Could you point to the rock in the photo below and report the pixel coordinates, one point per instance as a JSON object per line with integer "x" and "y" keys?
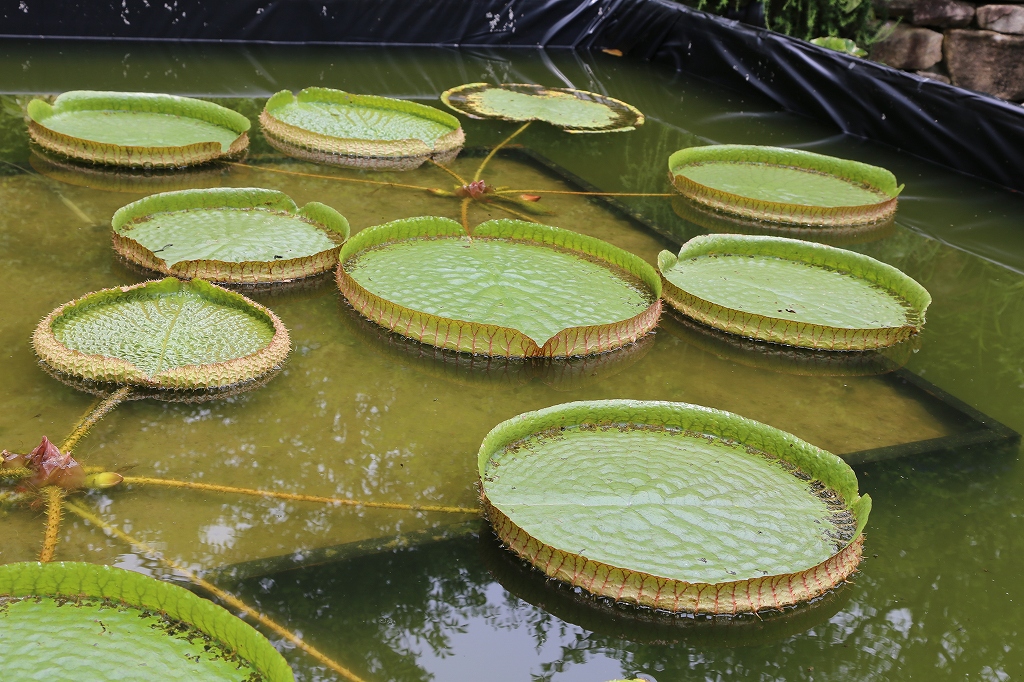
{"x": 942, "y": 13}
{"x": 986, "y": 61}
{"x": 908, "y": 48}
{"x": 1002, "y": 18}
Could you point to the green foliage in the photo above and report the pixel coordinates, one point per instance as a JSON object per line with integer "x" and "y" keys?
{"x": 809, "y": 19}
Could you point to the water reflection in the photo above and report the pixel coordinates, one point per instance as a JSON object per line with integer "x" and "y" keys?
{"x": 134, "y": 181}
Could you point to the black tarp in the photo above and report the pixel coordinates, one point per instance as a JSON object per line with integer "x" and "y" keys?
{"x": 968, "y": 132}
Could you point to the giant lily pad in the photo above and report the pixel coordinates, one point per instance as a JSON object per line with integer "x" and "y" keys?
{"x": 240, "y": 236}
{"x": 365, "y": 131}
{"x": 164, "y": 334}
{"x": 672, "y": 506}
{"x": 785, "y": 185}
{"x": 65, "y": 621}
{"x": 137, "y": 129}
{"x": 793, "y": 292}
{"x": 575, "y": 111}
{"x": 514, "y": 289}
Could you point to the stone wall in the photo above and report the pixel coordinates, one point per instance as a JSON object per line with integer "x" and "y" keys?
{"x": 979, "y": 47}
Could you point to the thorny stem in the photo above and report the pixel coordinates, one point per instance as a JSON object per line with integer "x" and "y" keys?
{"x": 585, "y": 194}
{"x": 521, "y": 216}
{"x": 95, "y": 413}
{"x": 337, "y": 501}
{"x": 449, "y": 171}
{"x": 487, "y": 159}
{"x": 54, "y": 510}
{"x": 330, "y": 177}
{"x": 227, "y": 598}
{"x": 464, "y": 212}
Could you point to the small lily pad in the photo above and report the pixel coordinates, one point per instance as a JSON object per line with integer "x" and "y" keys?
{"x": 733, "y": 515}
{"x": 65, "y": 621}
{"x": 514, "y": 289}
{"x": 364, "y": 131}
{"x": 793, "y": 292}
{"x": 238, "y": 236}
{"x": 785, "y": 185}
{"x": 575, "y": 111}
{"x": 137, "y": 129}
{"x": 165, "y": 334}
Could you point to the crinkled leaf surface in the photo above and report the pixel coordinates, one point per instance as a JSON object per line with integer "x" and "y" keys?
{"x": 161, "y": 327}
{"x": 229, "y": 235}
{"x": 360, "y": 122}
{"x": 685, "y": 507}
{"x": 139, "y": 128}
{"x": 781, "y": 184}
{"x": 789, "y": 289}
{"x": 536, "y": 289}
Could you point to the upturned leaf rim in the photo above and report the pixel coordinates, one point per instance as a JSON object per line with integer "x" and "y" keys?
{"x": 137, "y": 156}
{"x": 628, "y": 116}
{"x": 405, "y": 154}
{"x": 492, "y": 339}
{"x": 785, "y": 331}
{"x": 74, "y": 579}
{"x": 659, "y": 592}
{"x": 106, "y": 369}
{"x": 319, "y": 215}
{"x": 855, "y": 172}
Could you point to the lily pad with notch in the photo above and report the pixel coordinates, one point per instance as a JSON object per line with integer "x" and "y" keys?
{"x": 793, "y": 292}
{"x": 575, "y": 111}
{"x": 733, "y": 516}
{"x": 232, "y": 235}
{"x": 362, "y": 131}
{"x": 83, "y": 621}
{"x": 164, "y": 334}
{"x": 137, "y": 129}
{"x": 785, "y": 185}
{"x": 513, "y": 289}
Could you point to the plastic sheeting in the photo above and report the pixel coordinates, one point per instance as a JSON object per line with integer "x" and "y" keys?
{"x": 965, "y": 131}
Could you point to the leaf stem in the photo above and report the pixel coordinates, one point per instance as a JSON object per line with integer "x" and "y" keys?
{"x": 585, "y": 194}
{"x": 521, "y": 216}
{"x": 464, "y": 212}
{"x": 298, "y": 497}
{"x": 227, "y": 598}
{"x": 96, "y": 412}
{"x": 487, "y": 159}
{"x": 54, "y": 511}
{"x": 449, "y": 171}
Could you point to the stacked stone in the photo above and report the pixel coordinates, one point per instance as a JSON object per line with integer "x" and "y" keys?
{"x": 980, "y": 47}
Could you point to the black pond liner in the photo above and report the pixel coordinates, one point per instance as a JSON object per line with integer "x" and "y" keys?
{"x": 963, "y": 130}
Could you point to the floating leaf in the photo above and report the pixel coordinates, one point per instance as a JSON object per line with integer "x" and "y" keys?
{"x": 65, "y": 621}
{"x": 733, "y": 516}
{"x": 785, "y": 185}
{"x": 137, "y": 129}
{"x": 575, "y": 111}
{"x": 793, "y": 292}
{"x": 513, "y": 289}
{"x": 239, "y": 236}
{"x": 365, "y": 131}
{"x": 164, "y": 334}
{"x": 844, "y": 45}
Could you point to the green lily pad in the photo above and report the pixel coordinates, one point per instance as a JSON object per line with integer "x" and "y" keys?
{"x": 514, "y": 289}
{"x": 785, "y": 185}
{"x": 732, "y": 515}
{"x": 65, "y": 621}
{"x": 364, "y": 131}
{"x": 238, "y": 236}
{"x": 137, "y": 129}
{"x": 793, "y": 292}
{"x": 165, "y": 334}
{"x": 575, "y": 111}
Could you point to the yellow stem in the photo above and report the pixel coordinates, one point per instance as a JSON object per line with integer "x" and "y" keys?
{"x": 487, "y": 159}
{"x": 450, "y": 172}
{"x": 464, "y": 212}
{"x": 585, "y": 194}
{"x": 329, "y": 177}
{"x": 229, "y": 599}
{"x": 521, "y": 216}
{"x": 95, "y": 413}
{"x": 54, "y": 509}
{"x": 338, "y": 501}
{"x": 15, "y": 474}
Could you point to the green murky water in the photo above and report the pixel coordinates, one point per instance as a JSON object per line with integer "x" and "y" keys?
{"x": 358, "y": 414}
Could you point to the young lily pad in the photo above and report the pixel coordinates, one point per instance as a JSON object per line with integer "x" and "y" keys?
{"x": 364, "y": 131}
{"x": 65, "y": 621}
{"x": 164, "y": 334}
{"x": 793, "y": 292}
{"x": 137, "y": 129}
{"x": 575, "y": 111}
{"x": 785, "y": 185}
{"x": 514, "y": 289}
{"x": 232, "y": 235}
{"x": 733, "y": 516}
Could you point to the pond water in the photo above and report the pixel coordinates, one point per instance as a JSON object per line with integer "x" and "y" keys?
{"x": 355, "y": 413}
